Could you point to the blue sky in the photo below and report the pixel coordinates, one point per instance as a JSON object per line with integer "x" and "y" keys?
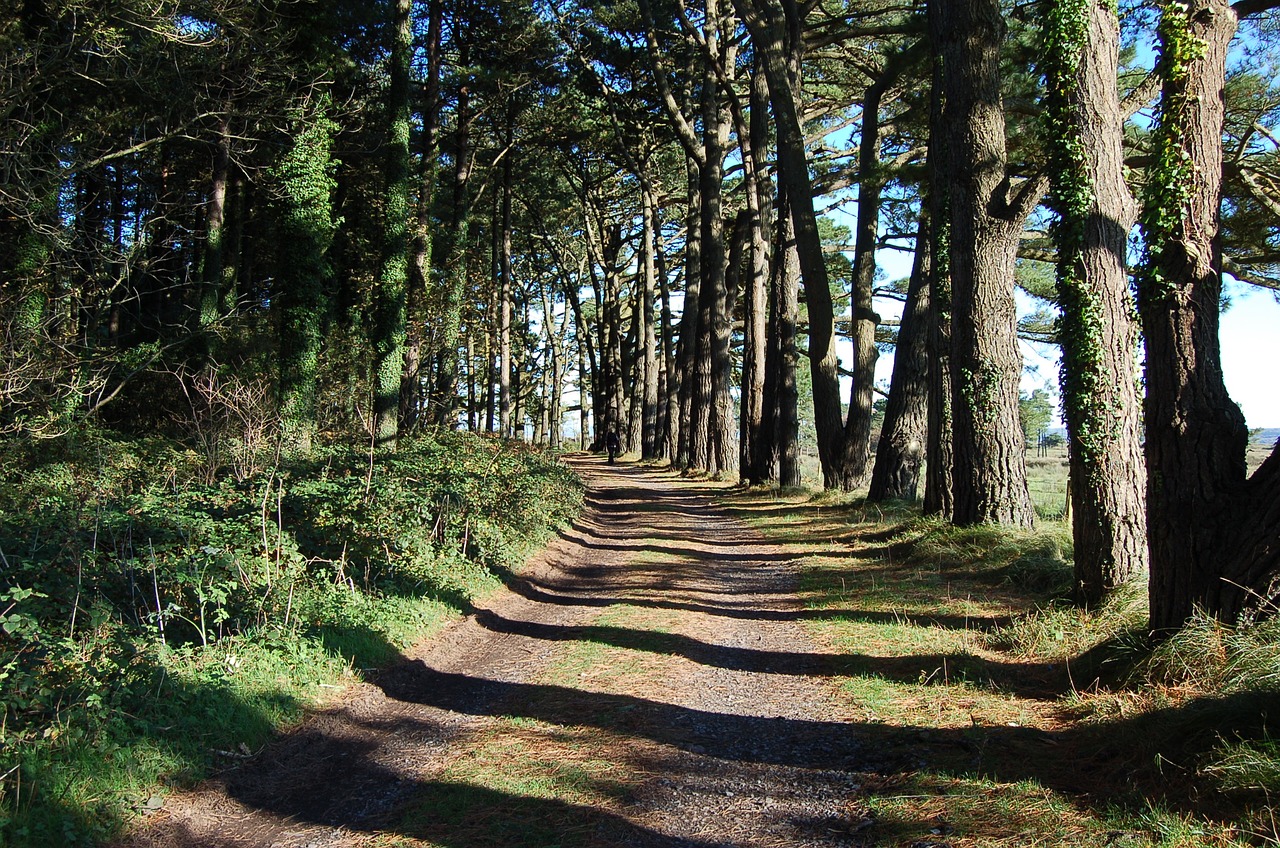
{"x": 1250, "y": 337}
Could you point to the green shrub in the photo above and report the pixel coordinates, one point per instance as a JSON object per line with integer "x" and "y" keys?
{"x": 148, "y": 617}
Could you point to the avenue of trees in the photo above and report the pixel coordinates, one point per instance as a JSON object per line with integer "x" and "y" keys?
{"x": 265, "y": 225}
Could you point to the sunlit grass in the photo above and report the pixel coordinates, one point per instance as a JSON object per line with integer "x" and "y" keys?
{"x": 971, "y": 631}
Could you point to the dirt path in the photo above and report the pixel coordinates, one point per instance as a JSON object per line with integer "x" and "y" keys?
{"x": 645, "y": 682}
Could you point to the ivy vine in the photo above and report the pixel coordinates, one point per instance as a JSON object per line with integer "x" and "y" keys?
{"x": 1168, "y": 187}
{"x": 1072, "y": 198}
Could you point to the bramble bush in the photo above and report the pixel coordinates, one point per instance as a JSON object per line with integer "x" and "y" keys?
{"x": 148, "y": 616}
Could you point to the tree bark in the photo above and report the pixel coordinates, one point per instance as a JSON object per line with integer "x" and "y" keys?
{"x": 753, "y": 140}
{"x": 454, "y": 274}
{"x": 688, "y": 344}
{"x": 413, "y": 391}
{"x": 1213, "y": 532}
{"x": 871, "y": 183}
{"x": 784, "y": 285}
{"x": 505, "y": 422}
{"x": 987, "y": 218}
{"x": 649, "y": 364}
{"x": 775, "y": 27}
{"x": 1097, "y": 330}
{"x": 900, "y": 450}
{"x": 939, "y": 456}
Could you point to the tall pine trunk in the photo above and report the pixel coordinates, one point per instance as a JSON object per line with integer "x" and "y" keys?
{"x": 1097, "y": 330}
{"x": 938, "y": 441}
{"x": 900, "y": 450}
{"x": 1213, "y": 531}
{"x": 987, "y": 219}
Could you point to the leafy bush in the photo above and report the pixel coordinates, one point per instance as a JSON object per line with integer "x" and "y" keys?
{"x": 136, "y": 597}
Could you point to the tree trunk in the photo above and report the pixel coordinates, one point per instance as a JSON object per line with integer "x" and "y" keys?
{"x": 987, "y": 218}
{"x": 649, "y": 364}
{"x": 669, "y": 377}
{"x": 1213, "y": 532}
{"x": 306, "y": 230}
{"x": 753, "y": 432}
{"x": 505, "y": 423}
{"x": 412, "y": 392}
{"x": 775, "y": 32}
{"x": 390, "y": 294}
{"x": 211, "y": 294}
{"x": 1097, "y": 331}
{"x": 781, "y": 392}
{"x": 865, "y": 320}
{"x": 454, "y": 273}
{"x": 939, "y": 457}
{"x": 688, "y": 344}
{"x": 900, "y": 451}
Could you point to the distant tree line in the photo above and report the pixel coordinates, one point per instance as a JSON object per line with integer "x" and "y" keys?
{"x": 291, "y": 221}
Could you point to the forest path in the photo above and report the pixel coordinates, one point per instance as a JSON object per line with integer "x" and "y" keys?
{"x": 646, "y": 681}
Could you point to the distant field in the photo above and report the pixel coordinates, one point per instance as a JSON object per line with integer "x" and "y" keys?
{"x": 1260, "y": 446}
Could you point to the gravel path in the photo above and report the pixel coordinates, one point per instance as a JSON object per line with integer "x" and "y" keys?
{"x": 722, "y": 716}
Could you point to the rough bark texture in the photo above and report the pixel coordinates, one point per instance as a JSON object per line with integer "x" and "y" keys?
{"x": 454, "y": 274}
{"x": 900, "y": 451}
{"x": 687, "y": 349}
{"x": 506, "y": 421}
{"x": 753, "y": 140}
{"x": 1214, "y": 534}
{"x": 865, "y": 320}
{"x": 938, "y": 452}
{"x": 649, "y": 364}
{"x": 1098, "y": 328}
{"x": 987, "y": 217}
{"x": 715, "y": 299}
{"x": 775, "y": 33}
{"x": 413, "y": 389}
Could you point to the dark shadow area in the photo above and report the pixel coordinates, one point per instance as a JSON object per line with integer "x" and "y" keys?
{"x": 1115, "y": 762}
{"x": 544, "y": 591}
{"x": 466, "y": 816}
{"x": 1034, "y": 680}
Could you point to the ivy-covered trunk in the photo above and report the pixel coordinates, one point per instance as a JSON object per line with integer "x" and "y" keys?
{"x": 1213, "y": 531}
{"x": 1098, "y": 330}
{"x": 306, "y": 228}
{"x": 389, "y": 299}
{"x": 413, "y": 389}
{"x": 457, "y": 235}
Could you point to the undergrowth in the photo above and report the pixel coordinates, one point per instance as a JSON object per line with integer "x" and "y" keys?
{"x": 154, "y": 625}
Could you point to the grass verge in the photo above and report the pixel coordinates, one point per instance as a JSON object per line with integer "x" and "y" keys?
{"x": 1010, "y": 716}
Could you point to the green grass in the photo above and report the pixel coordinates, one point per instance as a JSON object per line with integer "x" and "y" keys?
{"x": 1014, "y": 717}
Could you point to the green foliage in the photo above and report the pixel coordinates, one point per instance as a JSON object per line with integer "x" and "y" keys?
{"x": 1035, "y": 411}
{"x": 148, "y": 618}
{"x": 307, "y": 229}
{"x": 1168, "y": 179}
